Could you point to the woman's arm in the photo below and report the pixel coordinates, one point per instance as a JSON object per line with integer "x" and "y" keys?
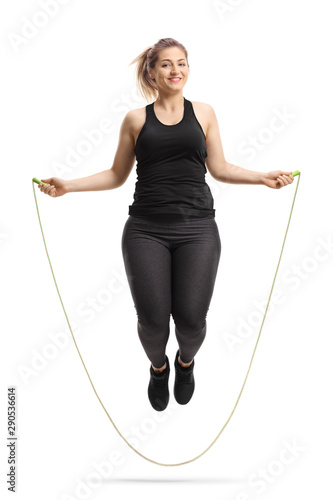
{"x": 233, "y": 174}
{"x": 112, "y": 178}
{"x": 223, "y": 171}
{"x": 96, "y": 182}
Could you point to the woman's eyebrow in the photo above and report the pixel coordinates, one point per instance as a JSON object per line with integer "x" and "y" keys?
{"x": 170, "y": 59}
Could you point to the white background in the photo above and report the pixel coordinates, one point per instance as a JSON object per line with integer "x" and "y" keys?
{"x": 249, "y": 60}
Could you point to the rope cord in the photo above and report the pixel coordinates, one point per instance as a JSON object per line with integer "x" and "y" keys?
{"x": 136, "y": 451}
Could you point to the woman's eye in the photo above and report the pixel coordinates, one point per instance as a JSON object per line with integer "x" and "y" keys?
{"x": 182, "y": 64}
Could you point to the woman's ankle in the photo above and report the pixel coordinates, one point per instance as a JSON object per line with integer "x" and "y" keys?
{"x": 185, "y": 365}
{"x": 159, "y": 369}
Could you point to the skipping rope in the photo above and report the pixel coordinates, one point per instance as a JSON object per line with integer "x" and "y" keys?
{"x": 296, "y": 173}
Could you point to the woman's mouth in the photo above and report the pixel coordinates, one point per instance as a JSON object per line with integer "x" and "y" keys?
{"x": 174, "y": 79}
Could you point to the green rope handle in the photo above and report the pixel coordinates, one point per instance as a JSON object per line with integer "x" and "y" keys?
{"x": 136, "y": 451}
{"x": 38, "y": 181}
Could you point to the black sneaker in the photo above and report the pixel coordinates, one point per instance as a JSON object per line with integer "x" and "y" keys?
{"x": 158, "y": 390}
{"x": 184, "y": 382}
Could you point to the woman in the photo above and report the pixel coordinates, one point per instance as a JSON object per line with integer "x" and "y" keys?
{"x": 170, "y": 243}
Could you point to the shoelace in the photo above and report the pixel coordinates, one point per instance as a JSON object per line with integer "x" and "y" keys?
{"x": 184, "y": 376}
{"x": 161, "y": 378}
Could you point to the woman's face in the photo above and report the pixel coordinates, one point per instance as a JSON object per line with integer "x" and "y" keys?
{"x": 171, "y": 64}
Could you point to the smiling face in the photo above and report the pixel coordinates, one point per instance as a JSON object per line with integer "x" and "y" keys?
{"x": 171, "y": 70}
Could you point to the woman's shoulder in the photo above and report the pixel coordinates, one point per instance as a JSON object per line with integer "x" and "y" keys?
{"x": 204, "y": 113}
{"x": 202, "y": 106}
{"x": 135, "y": 119}
{"x": 136, "y": 114}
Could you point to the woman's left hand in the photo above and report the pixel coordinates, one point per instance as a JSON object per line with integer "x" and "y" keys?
{"x": 277, "y": 179}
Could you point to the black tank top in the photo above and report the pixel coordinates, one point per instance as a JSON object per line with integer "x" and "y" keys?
{"x": 171, "y": 168}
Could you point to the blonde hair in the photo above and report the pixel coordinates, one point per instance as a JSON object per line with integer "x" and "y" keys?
{"x": 147, "y": 60}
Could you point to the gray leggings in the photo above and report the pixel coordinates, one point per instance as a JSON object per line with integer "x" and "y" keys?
{"x": 171, "y": 265}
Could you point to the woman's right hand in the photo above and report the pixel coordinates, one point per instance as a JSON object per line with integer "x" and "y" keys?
{"x": 54, "y": 187}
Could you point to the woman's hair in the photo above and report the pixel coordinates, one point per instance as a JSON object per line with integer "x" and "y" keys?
{"x": 147, "y": 60}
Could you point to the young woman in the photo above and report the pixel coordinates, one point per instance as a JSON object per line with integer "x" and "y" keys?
{"x": 170, "y": 243}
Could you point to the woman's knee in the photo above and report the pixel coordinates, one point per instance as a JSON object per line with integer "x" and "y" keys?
{"x": 153, "y": 321}
{"x": 189, "y": 324}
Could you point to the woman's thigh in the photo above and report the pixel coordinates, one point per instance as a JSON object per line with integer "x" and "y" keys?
{"x": 147, "y": 261}
{"x": 195, "y": 262}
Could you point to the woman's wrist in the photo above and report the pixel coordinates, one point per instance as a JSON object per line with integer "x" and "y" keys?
{"x": 260, "y": 177}
{"x": 69, "y": 188}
